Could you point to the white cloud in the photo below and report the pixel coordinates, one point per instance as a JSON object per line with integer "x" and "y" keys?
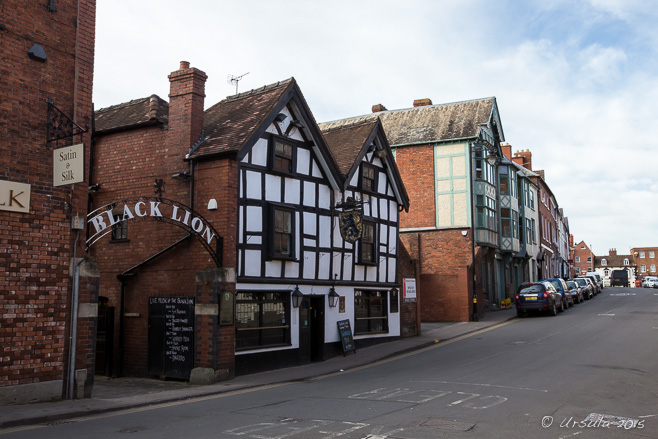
{"x": 575, "y": 81}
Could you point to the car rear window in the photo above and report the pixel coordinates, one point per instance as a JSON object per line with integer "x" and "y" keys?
{"x": 532, "y": 289}
{"x": 581, "y": 282}
{"x": 557, "y": 284}
{"x": 571, "y": 284}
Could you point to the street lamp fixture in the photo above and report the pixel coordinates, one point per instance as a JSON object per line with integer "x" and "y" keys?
{"x": 333, "y": 297}
{"x": 297, "y": 297}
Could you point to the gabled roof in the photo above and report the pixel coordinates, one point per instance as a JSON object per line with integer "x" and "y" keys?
{"x": 433, "y": 123}
{"x": 614, "y": 261}
{"x": 231, "y": 123}
{"x": 137, "y": 113}
{"x": 349, "y": 144}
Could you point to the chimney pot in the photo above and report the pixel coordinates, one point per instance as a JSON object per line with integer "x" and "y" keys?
{"x": 184, "y": 65}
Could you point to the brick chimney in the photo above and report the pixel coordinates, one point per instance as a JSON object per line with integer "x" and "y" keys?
{"x": 422, "y": 102}
{"x": 523, "y": 158}
{"x": 378, "y": 107}
{"x": 613, "y": 252}
{"x": 186, "y": 96}
{"x": 507, "y": 150}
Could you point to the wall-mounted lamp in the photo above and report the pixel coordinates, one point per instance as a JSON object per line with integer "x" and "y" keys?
{"x": 94, "y": 187}
{"x": 297, "y": 297}
{"x": 298, "y": 124}
{"x": 333, "y": 297}
{"x": 180, "y": 175}
{"x": 280, "y": 117}
{"x": 492, "y": 158}
{"x": 212, "y": 204}
{"x": 464, "y": 232}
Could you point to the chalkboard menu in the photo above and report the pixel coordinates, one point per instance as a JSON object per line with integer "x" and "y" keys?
{"x": 171, "y": 336}
{"x": 345, "y": 334}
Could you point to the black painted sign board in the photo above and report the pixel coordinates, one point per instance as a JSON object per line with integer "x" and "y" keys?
{"x": 345, "y": 334}
{"x": 171, "y": 336}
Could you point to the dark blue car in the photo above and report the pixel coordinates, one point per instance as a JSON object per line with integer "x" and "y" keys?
{"x": 561, "y": 287}
{"x": 537, "y": 296}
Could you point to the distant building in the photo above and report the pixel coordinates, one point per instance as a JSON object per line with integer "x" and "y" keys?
{"x": 605, "y": 265}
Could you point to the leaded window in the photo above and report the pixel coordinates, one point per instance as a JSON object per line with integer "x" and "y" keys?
{"x": 370, "y": 311}
{"x": 368, "y": 246}
{"x": 262, "y": 319}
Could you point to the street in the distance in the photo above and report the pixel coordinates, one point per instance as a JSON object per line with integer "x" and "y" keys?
{"x": 588, "y": 372}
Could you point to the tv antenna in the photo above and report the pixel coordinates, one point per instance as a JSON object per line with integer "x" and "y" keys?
{"x": 233, "y": 80}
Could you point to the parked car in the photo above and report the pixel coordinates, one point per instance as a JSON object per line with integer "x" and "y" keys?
{"x": 599, "y": 279}
{"x": 595, "y": 286}
{"x": 537, "y": 296}
{"x": 585, "y": 287}
{"x": 649, "y": 282}
{"x": 561, "y": 287}
{"x": 575, "y": 291}
{"x": 619, "y": 278}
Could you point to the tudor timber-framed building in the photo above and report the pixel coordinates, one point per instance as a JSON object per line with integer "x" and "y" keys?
{"x": 256, "y": 170}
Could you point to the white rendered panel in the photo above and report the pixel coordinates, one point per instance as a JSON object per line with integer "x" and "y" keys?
{"x": 259, "y": 153}
{"x": 325, "y": 231}
{"x": 315, "y": 170}
{"x": 310, "y": 227}
{"x": 393, "y": 211}
{"x": 273, "y": 188}
{"x": 252, "y": 262}
{"x": 348, "y": 260}
{"x": 383, "y": 183}
{"x": 324, "y": 201}
{"x": 253, "y": 182}
{"x": 273, "y": 269}
{"x": 309, "y": 193}
{"x": 303, "y": 160}
{"x": 254, "y": 219}
{"x": 383, "y": 209}
{"x": 309, "y": 265}
{"x": 323, "y": 267}
{"x": 292, "y": 191}
{"x": 292, "y": 269}
{"x": 359, "y": 273}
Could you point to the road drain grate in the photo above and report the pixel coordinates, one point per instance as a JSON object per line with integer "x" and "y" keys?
{"x": 445, "y": 424}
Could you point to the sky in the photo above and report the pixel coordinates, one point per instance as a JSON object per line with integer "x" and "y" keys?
{"x": 575, "y": 80}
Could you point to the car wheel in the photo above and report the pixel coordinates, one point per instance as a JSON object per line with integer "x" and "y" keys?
{"x": 554, "y": 310}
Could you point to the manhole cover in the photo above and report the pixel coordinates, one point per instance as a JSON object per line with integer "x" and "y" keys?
{"x": 445, "y": 424}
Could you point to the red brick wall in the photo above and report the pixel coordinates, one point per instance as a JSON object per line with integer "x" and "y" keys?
{"x": 416, "y": 165}
{"x": 36, "y": 247}
{"x": 444, "y": 285}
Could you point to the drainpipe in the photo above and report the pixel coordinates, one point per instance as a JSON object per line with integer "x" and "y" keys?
{"x": 73, "y": 333}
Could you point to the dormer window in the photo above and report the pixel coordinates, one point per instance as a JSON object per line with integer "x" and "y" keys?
{"x": 283, "y": 156}
{"x": 368, "y": 178}
{"x": 626, "y": 261}
{"x": 604, "y": 262}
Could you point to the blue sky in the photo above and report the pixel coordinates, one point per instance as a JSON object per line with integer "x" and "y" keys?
{"x": 575, "y": 80}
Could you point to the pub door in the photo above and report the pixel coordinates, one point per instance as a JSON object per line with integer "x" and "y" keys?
{"x": 104, "y": 337}
{"x": 311, "y": 329}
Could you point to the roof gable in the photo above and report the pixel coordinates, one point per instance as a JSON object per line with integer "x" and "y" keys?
{"x": 351, "y": 143}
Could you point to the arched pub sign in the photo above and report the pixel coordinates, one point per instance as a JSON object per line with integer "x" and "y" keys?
{"x": 101, "y": 221}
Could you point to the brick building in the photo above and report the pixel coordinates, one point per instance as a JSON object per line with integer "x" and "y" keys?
{"x": 646, "y": 259}
{"x": 45, "y": 111}
{"x": 267, "y": 233}
{"x": 604, "y": 265}
{"x": 444, "y": 153}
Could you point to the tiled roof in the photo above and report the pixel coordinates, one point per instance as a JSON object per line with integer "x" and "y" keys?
{"x": 229, "y": 124}
{"x": 433, "y": 122}
{"x": 614, "y": 261}
{"x": 139, "y": 112}
{"x": 346, "y": 142}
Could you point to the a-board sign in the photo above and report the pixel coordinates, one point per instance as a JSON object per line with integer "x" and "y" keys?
{"x": 171, "y": 336}
{"x": 345, "y": 334}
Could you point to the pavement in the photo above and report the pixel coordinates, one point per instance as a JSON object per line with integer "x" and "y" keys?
{"x": 129, "y": 393}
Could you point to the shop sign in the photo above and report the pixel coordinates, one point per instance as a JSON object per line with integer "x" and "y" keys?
{"x": 409, "y": 288}
{"x": 14, "y": 197}
{"x": 68, "y": 165}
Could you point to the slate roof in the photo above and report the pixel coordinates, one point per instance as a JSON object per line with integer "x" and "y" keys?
{"x": 137, "y": 113}
{"x": 614, "y": 261}
{"x": 431, "y": 123}
{"x": 229, "y": 124}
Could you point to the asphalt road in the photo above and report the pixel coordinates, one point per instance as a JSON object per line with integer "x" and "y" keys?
{"x": 590, "y": 372}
